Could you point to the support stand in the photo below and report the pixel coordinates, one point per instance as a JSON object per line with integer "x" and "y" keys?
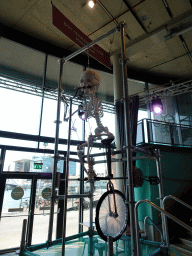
{"x": 110, "y": 246}
{"x": 23, "y": 236}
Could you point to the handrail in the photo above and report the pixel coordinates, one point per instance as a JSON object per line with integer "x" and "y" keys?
{"x": 161, "y": 210}
{"x": 178, "y": 200}
{"x": 145, "y": 222}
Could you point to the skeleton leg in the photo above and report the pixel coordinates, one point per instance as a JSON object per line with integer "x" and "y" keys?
{"x": 90, "y": 172}
{"x": 80, "y": 155}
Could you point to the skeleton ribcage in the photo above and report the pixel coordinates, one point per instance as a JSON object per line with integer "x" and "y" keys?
{"x": 93, "y": 109}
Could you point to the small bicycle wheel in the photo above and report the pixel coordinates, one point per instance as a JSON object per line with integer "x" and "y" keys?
{"x": 109, "y": 223}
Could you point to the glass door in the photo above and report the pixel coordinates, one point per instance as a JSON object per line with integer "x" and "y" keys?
{"x": 16, "y": 203}
{"x": 42, "y": 212}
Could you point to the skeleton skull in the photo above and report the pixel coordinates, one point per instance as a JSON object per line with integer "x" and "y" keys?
{"x": 90, "y": 81}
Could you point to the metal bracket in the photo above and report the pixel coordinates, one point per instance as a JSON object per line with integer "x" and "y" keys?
{"x": 121, "y": 61}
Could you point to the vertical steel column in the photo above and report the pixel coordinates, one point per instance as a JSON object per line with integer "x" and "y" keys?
{"x": 130, "y": 186}
{"x": 148, "y": 104}
{"x": 54, "y": 175}
{"x": 81, "y": 189}
{"x": 66, "y": 181}
{"x": 31, "y": 211}
{"x": 110, "y": 246}
{"x": 2, "y": 159}
{"x": 23, "y": 235}
{"x": 2, "y": 179}
{"x": 81, "y": 185}
{"x": 42, "y": 102}
{"x": 161, "y": 196}
{"x": 91, "y": 228}
{"x": 143, "y": 131}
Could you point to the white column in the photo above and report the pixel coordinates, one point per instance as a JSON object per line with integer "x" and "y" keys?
{"x": 118, "y": 94}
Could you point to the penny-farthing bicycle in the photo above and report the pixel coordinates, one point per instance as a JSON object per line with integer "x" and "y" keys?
{"x": 111, "y": 211}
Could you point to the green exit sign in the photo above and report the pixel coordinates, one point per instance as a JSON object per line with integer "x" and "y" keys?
{"x": 38, "y": 166}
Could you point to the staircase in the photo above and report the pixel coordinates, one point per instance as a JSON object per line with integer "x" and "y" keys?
{"x": 182, "y": 245}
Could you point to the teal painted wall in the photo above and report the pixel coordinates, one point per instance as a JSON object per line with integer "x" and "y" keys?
{"x": 176, "y": 174}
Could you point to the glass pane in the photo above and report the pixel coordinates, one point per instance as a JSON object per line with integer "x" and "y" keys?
{"x": 15, "y": 209}
{"x": 15, "y": 142}
{"x": 22, "y": 115}
{"x": 139, "y": 133}
{"x": 49, "y": 125}
{"x": 71, "y": 74}
{"x": 42, "y": 211}
{"x": 30, "y": 162}
{"x": 72, "y": 226}
{"x": 142, "y": 114}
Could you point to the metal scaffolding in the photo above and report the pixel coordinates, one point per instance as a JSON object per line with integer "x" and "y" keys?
{"x": 130, "y": 188}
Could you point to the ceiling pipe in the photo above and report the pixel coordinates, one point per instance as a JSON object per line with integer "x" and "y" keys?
{"x": 108, "y": 13}
{"x": 111, "y": 16}
{"x": 179, "y": 30}
{"x": 115, "y": 18}
{"x": 179, "y": 34}
{"x": 167, "y": 8}
{"x": 130, "y": 9}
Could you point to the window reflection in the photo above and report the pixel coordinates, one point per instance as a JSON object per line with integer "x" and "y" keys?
{"x": 30, "y": 162}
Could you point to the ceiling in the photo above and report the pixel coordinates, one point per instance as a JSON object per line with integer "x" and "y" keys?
{"x": 158, "y": 33}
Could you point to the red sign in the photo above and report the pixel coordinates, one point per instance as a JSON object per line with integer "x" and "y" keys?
{"x": 78, "y": 37}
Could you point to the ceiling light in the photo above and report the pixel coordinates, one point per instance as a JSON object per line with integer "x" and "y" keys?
{"x": 156, "y": 106}
{"x": 91, "y": 3}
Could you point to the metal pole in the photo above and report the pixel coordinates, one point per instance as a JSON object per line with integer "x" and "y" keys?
{"x": 22, "y": 246}
{"x": 42, "y": 101}
{"x": 54, "y": 175}
{"x": 91, "y": 228}
{"x": 86, "y": 47}
{"x": 161, "y": 196}
{"x": 66, "y": 181}
{"x": 110, "y": 246}
{"x": 81, "y": 185}
{"x": 130, "y": 186}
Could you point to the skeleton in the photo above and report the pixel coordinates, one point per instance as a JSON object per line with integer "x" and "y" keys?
{"x": 89, "y": 83}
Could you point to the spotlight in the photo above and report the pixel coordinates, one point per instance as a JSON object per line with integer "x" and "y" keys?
{"x": 156, "y": 106}
{"x": 91, "y": 3}
{"x": 81, "y": 112}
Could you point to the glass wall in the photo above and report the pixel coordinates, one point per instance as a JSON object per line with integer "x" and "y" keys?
{"x": 15, "y": 209}
{"x": 28, "y": 102}
{"x": 30, "y": 162}
{"x": 42, "y": 211}
{"x": 20, "y": 113}
{"x": 184, "y": 102}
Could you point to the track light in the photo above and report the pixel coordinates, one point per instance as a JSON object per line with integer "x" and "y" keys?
{"x": 156, "y": 106}
{"x": 91, "y": 3}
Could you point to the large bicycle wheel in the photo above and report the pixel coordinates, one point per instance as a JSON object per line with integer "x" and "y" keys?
{"x": 108, "y": 221}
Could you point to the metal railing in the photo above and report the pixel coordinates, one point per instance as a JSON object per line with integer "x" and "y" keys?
{"x": 164, "y": 133}
{"x": 167, "y": 214}
{"x": 155, "y": 226}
